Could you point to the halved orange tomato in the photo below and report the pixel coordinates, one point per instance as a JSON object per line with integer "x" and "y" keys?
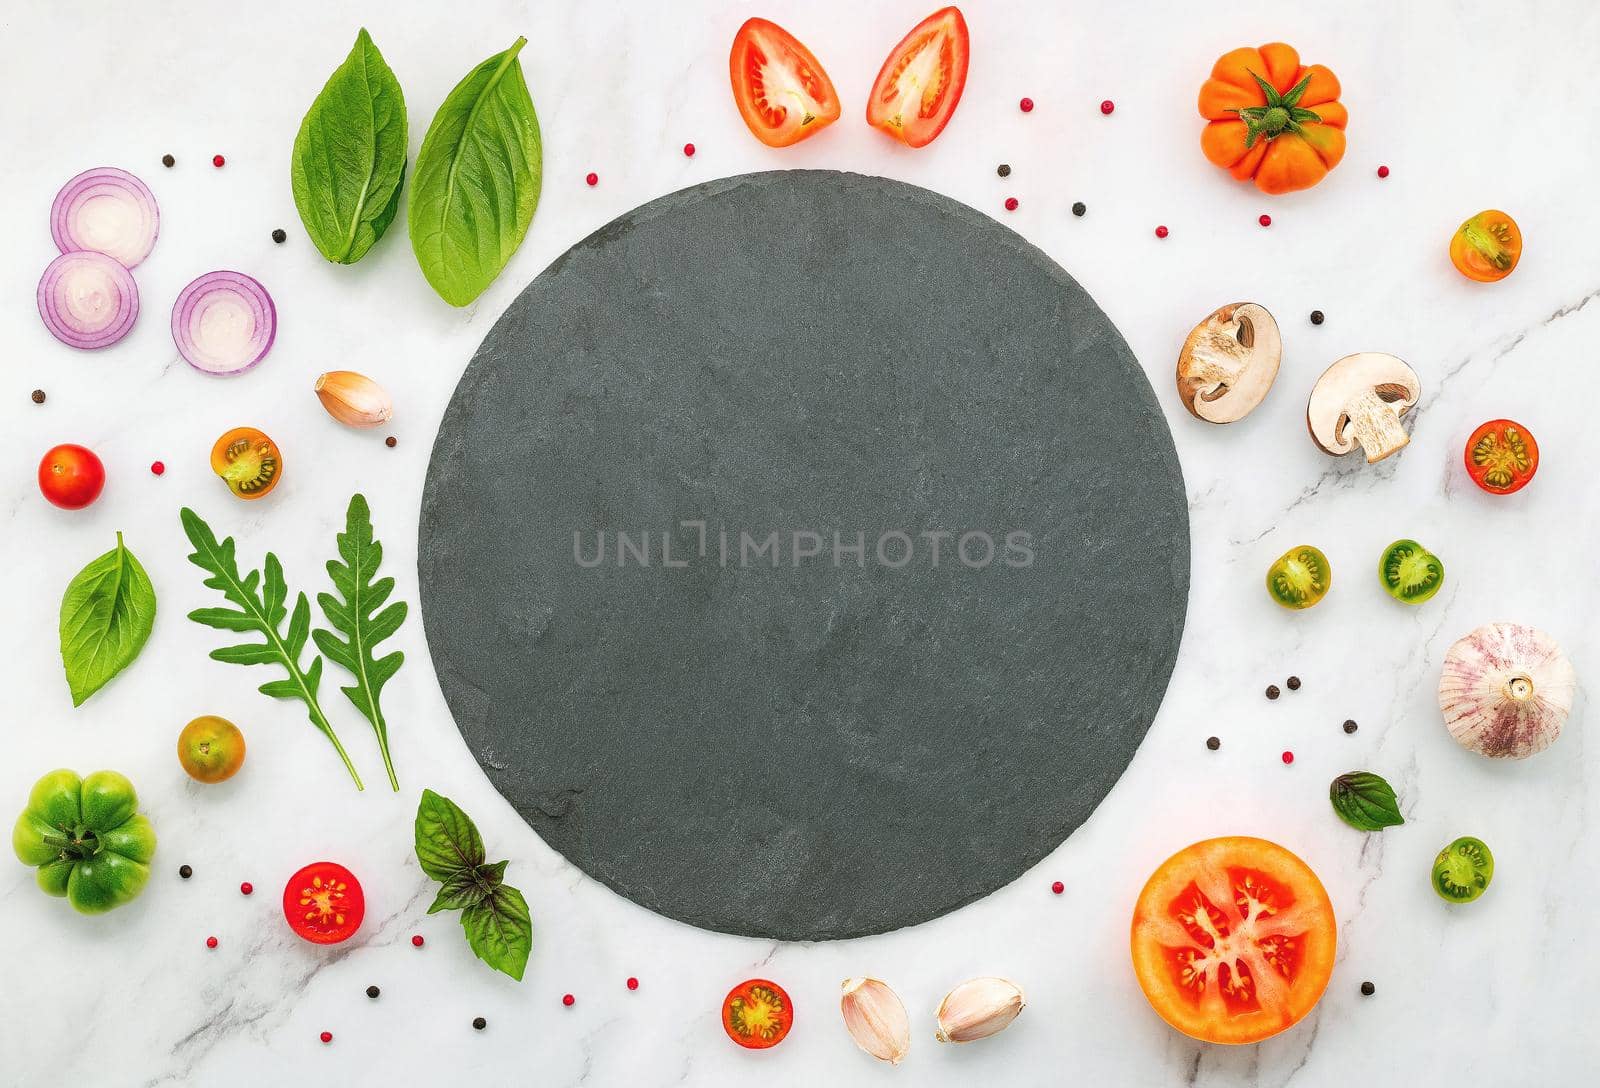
{"x": 1502, "y": 456}
{"x": 1233, "y": 940}
{"x": 1486, "y": 247}
{"x": 782, "y": 91}
{"x": 248, "y": 462}
{"x": 757, "y": 1014}
{"x": 920, "y": 84}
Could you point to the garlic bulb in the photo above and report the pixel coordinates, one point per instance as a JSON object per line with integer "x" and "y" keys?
{"x": 1506, "y": 690}
{"x": 978, "y": 1009}
{"x": 354, "y": 399}
{"x": 876, "y": 1018}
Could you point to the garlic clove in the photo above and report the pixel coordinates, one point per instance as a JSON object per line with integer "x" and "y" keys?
{"x": 876, "y": 1018}
{"x": 1506, "y": 690}
{"x": 978, "y": 1009}
{"x": 354, "y": 399}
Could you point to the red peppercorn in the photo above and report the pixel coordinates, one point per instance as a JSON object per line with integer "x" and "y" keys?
{"x": 1011, "y": 203}
{"x": 217, "y": 160}
{"x": 1265, "y": 220}
{"x": 567, "y": 1000}
{"x": 416, "y": 941}
{"x": 592, "y": 180}
{"x": 246, "y": 888}
{"x": 1026, "y": 105}
{"x": 158, "y": 467}
{"x": 1161, "y": 232}
{"x": 1383, "y": 171}
{"x": 688, "y": 150}
{"x": 633, "y": 984}
{"x": 326, "y": 1036}
{"x": 1107, "y": 106}
{"x": 1058, "y": 887}
{"x": 1288, "y": 757}
{"x": 211, "y": 942}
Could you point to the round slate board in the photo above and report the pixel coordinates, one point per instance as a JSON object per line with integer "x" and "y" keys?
{"x": 783, "y": 737}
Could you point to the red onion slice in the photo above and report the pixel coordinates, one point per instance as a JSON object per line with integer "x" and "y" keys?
{"x": 88, "y": 300}
{"x": 224, "y": 323}
{"x": 109, "y": 211}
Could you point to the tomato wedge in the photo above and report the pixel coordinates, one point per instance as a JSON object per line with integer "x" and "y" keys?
{"x": 323, "y": 903}
{"x": 757, "y": 1014}
{"x": 1233, "y": 940}
{"x": 920, "y": 84}
{"x": 782, "y": 91}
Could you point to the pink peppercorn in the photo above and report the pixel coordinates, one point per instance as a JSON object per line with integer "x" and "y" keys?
{"x": 246, "y": 888}
{"x": 211, "y": 942}
{"x": 567, "y": 1000}
{"x": 1161, "y": 232}
{"x": 1011, "y": 203}
{"x": 157, "y": 467}
{"x": 1288, "y": 757}
{"x": 217, "y": 160}
{"x": 1026, "y": 105}
{"x": 592, "y": 180}
{"x": 688, "y": 150}
{"x": 1058, "y": 887}
{"x": 633, "y": 984}
{"x": 1265, "y": 220}
{"x": 1107, "y": 106}
{"x": 416, "y": 941}
{"x": 1383, "y": 171}
{"x": 326, "y": 1036}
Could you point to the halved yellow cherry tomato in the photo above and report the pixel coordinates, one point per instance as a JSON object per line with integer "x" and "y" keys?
{"x": 248, "y": 462}
{"x": 1486, "y": 247}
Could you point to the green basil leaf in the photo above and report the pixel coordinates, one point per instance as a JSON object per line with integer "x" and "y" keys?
{"x": 107, "y": 614}
{"x": 477, "y": 179}
{"x": 350, "y": 155}
{"x": 463, "y": 889}
{"x": 500, "y": 930}
{"x": 448, "y": 842}
{"x": 1365, "y": 801}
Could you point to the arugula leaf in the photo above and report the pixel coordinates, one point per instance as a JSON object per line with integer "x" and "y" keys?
{"x": 1365, "y": 801}
{"x": 357, "y": 617}
{"x": 260, "y": 598}
{"x": 349, "y": 156}
{"x": 107, "y": 614}
{"x": 477, "y": 179}
{"x": 493, "y": 914}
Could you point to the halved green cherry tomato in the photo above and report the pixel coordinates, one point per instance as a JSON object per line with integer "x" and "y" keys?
{"x": 87, "y": 839}
{"x": 757, "y": 1014}
{"x": 323, "y": 903}
{"x": 1300, "y": 578}
{"x": 1410, "y": 572}
{"x": 1501, "y": 456}
{"x": 1462, "y": 870}
{"x": 1486, "y": 247}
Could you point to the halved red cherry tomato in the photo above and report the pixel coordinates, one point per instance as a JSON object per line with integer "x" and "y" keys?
{"x": 920, "y": 83}
{"x": 71, "y": 477}
{"x": 782, "y": 90}
{"x": 1486, "y": 247}
{"x": 1233, "y": 940}
{"x": 757, "y": 1014}
{"x": 323, "y": 903}
{"x": 1501, "y": 456}
{"x": 248, "y": 461}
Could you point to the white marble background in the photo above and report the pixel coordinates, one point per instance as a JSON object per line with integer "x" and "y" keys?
{"x": 1471, "y": 104}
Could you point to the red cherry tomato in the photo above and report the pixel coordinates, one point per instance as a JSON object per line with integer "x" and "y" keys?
{"x": 920, "y": 83}
{"x": 71, "y": 477}
{"x": 757, "y": 1014}
{"x": 323, "y": 903}
{"x": 1501, "y": 456}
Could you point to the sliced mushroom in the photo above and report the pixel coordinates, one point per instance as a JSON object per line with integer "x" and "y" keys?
{"x": 1229, "y": 362}
{"x": 1358, "y": 401}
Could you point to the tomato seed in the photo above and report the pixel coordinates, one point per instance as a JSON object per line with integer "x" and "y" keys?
{"x": 1293, "y": 682}
{"x": 1107, "y": 106}
{"x": 1350, "y": 725}
{"x": 373, "y": 991}
{"x": 1272, "y": 691}
{"x": 688, "y": 151}
{"x": 1011, "y": 203}
{"x": 1079, "y": 208}
{"x": 1265, "y": 220}
{"x": 211, "y": 942}
{"x": 326, "y": 1036}
{"x": 157, "y": 467}
{"x": 1368, "y": 989}
{"x": 479, "y": 1023}
{"x": 1213, "y": 743}
{"x": 1161, "y": 232}
{"x": 217, "y": 160}
{"x": 1383, "y": 171}
{"x": 1288, "y": 757}
{"x": 633, "y": 984}
{"x": 168, "y": 161}
{"x": 1317, "y": 317}
{"x": 1026, "y": 105}
{"x": 416, "y": 941}
{"x": 567, "y": 1000}
{"x": 1058, "y": 887}
{"x": 280, "y": 236}
{"x": 246, "y": 888}
{"x": 38, "y": 396}
{"x": 185, "y": 872}
{"x": 592, "y": 180}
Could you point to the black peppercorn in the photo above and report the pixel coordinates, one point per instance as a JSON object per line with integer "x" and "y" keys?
{"x": 1349, "y": 725}
{"x": 1293, "y": 682}
{"x": 1079, "y": 208}
{"x": 1368, "y": 989}
{"x": 185, "y": 872}
{"x": 168, "y": 160}
{"x": 280, "y": 236}
{"x": 38, "y": 396}
{"x": 1213, "y": 743}
{"x": 1316, "y": 317}
{"x": 1004, "y": 170}
{"x": 480, "y": 1023}
{"x": 372, "y": 991}
{"x": 1272, "y": 691}
{"x": 390, "y": 441}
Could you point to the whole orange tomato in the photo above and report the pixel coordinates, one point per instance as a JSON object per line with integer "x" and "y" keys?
{"x": 1272, "y": 119}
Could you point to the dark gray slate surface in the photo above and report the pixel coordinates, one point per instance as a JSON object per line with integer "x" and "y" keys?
{"x": 813, "y": 751}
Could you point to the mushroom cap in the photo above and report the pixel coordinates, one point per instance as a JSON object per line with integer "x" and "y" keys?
{"x": 1506, "y": 690}
{"x": 1229, "y": 362}
{"x": 1348, "y": 381}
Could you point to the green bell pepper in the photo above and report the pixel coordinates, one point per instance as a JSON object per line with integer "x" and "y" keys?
{"x": 86, "y": 838}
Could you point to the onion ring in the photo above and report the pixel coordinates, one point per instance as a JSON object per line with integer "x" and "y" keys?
{"x": 224, "y": 323}
{"x": 109, "y": 211}
{"x": 87, "y": 300}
